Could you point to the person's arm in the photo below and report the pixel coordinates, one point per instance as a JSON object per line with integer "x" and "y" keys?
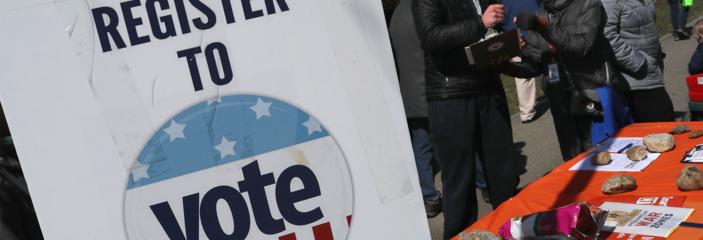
{"x": 695, "y": 66}
{"x": 437, "y": 35}
{"x": 531, "y": 64}
{"x": 573, "y": 44}
{"x": 626, "y": 56}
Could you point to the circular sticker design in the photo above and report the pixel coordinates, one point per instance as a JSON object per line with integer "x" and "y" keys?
{"x": 495, "y": 46}
{"x": 240, "y": 167}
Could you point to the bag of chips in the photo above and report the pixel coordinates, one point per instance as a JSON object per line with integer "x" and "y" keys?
{"x": 576, "y": 221}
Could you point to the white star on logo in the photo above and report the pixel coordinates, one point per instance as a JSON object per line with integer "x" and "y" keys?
{"x": 261, "y": 108}
{"x": 226, "y": 148}
{"x": 210, "y": 101}
{"x": 175, "y": 130}
{"x": 139, "y": 171}
{"x": 312, "y": 125}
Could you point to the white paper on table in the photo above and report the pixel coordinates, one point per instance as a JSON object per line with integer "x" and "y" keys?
{"x": 695, "y": 154}
{"x": 650, "y": 220}
{"x": 618, "y": 145}
{"x": 618, "y": 163}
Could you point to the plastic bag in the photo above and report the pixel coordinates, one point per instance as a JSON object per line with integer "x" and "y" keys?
{"x": 576, "y": 221}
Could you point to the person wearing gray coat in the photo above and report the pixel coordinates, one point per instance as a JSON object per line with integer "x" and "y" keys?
{"x": 411, "y": 74}
{"x": 638, "y": 59}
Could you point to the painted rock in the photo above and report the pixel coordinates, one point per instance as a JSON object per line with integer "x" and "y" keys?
{"x": 680, "y": 129}
{"x": 690, "y": 178}
{"x": 660, "y": 142}
{"x": 602, "y": 158}
{"x": 636, "y": 153}
{"x": 478, "y": 234}
{"x": 619, "y": 184}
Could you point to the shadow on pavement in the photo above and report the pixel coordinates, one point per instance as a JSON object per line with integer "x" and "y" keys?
{"x": 520, "y": 158}
{"x": 541, "y": 108}
{"x": 688, "y": 31}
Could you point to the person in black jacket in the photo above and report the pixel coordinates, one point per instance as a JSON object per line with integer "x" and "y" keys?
{"x": 573, "y": 131}
{"x": 576, "y": 30}
{"x": 578, "y": 62}
{"x": 467, "y": 108}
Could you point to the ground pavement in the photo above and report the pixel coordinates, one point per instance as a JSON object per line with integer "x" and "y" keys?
{"x": 537, "y": 150}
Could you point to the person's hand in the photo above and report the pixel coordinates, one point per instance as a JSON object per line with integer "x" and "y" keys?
{"x": 501, "y": 59}
{"x": 526, "y": 21}
{"x": 529, "y": 22}
{"x": 493, "y": 15}
{"x": 523, "y": 42}
{"x": 502, "y": 64}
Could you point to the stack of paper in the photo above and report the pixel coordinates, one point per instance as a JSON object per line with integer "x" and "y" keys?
{"x": 618, "y": 163}
{"x": 618, "y": 145}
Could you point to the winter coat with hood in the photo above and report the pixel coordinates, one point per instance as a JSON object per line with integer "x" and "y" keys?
{"x": 445, "y": 27}
{"x": 632, "y": 32}
{"x": 575, "y": 29}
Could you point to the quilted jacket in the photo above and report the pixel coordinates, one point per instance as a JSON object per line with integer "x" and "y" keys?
{"x": 575, "y": 29}
{"x": 445, "y": 27}
{"x": 632, "y": 32}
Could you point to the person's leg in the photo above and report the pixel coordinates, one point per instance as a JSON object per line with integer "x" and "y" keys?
{"x": 525, "y": 96}
{"x": 674, "y": 5}
{"x": 564, "y": 124}
{"x": 653, "y": 105}
{"x": 480, "y": 178}
{"x": 481, "y": 181}
{"x": 453, "y": 128}
{"x": 583, "y": 130}
{"x": 496, "y": 142}
{"x": 684, "y": 16}
{"x": 422, "y": 148}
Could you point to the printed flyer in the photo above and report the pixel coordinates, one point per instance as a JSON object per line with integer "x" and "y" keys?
{"x": 659, "y": 221}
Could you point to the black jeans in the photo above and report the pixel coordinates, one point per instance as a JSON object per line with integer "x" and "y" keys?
{"x": 461, "y": 129}
{"x": 653, "y": 105}
{"x": 573, "y": 131}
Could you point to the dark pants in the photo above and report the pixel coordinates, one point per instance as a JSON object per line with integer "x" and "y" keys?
{"x": 676, "y": 22}
{"x": 18, "y": 221}
{"x": 653, "y": 105}
{"x": 422, "y": 148}
{"x": 573, "y": 131}
{"x": 461, "y": 128}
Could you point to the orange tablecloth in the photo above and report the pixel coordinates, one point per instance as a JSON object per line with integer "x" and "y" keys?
{"x": 562, "y": 187}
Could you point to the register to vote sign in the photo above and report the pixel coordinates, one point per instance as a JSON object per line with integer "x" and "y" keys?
{"x": 209, "y": 119}
{"x": 200, "y": 166}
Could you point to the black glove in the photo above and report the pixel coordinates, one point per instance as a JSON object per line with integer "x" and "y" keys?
{"x": 526, "y": 21}
{"x": 504, "y": 67}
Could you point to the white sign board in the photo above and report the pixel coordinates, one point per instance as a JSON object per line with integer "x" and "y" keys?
{"x": 209, "y": 119}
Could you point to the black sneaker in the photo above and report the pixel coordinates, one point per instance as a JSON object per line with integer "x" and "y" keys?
{"x": 681, "y": 35}
{"x": 486, "y": 195}
{"x": 433, "y": 208}
{"x": 676, "y": 36}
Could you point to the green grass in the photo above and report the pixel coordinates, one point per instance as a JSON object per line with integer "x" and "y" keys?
{"x": 511, "y": 92}
{"x": 664, "y": 16}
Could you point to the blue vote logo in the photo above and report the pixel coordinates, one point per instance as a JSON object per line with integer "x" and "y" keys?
{"x": 240, "y": 167}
